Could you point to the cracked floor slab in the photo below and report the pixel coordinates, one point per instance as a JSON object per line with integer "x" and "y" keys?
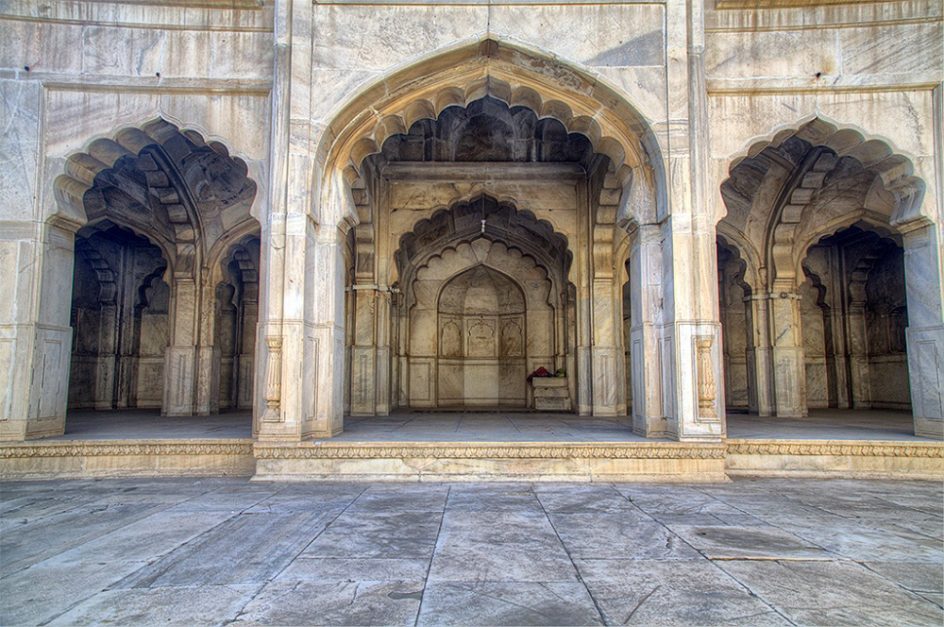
{"x": 219, "y": 551}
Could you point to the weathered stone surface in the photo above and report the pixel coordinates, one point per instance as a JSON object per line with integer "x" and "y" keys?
{"x": 474, "y": 553}
{"x": 801, "y": 591}
{"x": 506, "y": 603}
{"x": 335, "y": 603}
{"x": 644, "y": 592}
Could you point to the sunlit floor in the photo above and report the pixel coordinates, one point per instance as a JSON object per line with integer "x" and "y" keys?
{"x": 202, "y": 551}
{"x": 831, "y": 424}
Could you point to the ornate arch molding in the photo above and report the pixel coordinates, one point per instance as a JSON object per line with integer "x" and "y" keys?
{"x": 733, "y": 239}
{"x": 225, "y": 248}
{"x": 174, "y": 183}
{"x": 457, "y": 77}
{"x": 747, "y": 272}
{"x": 829, "y": 144}
{"x": 480, "y": 254}
{"x": 463, "y": 222}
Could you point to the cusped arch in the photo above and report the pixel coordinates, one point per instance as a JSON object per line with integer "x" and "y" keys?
{"x": 894, "y": 168}
{"x": 830, "y": 145}
{"x": 745, "y": 255}
{"x": 461, "y": 220}
{"x": 192, "y": 180}
{"x": 461, "y": 256}
{"x": 456, "y": 77}
{"x": 863, "y": 220}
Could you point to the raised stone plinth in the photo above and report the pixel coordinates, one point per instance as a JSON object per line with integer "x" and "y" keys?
{"x": 126, "y": 458}
{"x": 836, "y": 458}
{"x": 551, "y": 394}
{"x": 490, "y": 461}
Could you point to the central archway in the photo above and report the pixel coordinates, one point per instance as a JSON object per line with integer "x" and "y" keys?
{"x": 483, "y": 118}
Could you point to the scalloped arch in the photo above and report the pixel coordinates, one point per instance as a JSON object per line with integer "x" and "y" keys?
{"x": 453, "y": 249}
{"x": 445, "y": 218}
{"x": 456, "y": 77}
{"x": 103, "y": 154}
{"x": 829, "y": 142}
{"x": 894, "y": 169}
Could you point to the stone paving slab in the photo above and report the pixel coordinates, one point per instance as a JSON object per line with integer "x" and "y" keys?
{"x": 217, "y": 551}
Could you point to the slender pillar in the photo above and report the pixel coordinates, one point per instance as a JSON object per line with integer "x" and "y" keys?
{"x": 789, "y": 369}
{"x": 325, "y": 340}
{"x": 645, "y": 281}
{"x": 859, "y": 356}
{"x": 606, "y": 354}
{"x": 760, "y": 358}
{"x": 364, "y": 351}
{"x": 180, "y": 359}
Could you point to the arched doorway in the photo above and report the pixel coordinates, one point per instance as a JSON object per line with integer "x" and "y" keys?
{"x": 483, "y": 121}
{"x": 854, "y": 315}
{"x": 120, "y": 305}
{"x": 165, "y": 273}
{"x": 820, "y": 227}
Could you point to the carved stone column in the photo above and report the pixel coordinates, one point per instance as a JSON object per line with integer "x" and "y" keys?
{"x": 180, "y": 359}
{"x": 859, "y": 356}
{"x": 364, "y": 352}
{"x": 760, "y": 358}
{"x": 325, "y": 340}
{"x": 789, "y": 369}
{"x": 645, "y": 281}
{"x": 606, "y": 354}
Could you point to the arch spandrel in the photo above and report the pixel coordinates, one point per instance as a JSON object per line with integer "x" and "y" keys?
{"x": 456, "y": 77}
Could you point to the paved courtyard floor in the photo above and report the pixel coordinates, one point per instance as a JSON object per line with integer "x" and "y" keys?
{"x": 214, "y": 551}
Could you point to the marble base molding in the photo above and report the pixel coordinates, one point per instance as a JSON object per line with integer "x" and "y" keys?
{"x": 832, "y": 458}
{"x": 473, "y": 461}
{"x": 491, "y": 461}
{"x": 126, "y": 458}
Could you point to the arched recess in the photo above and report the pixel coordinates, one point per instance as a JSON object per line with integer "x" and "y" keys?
{"x": 120, "y": 320}
{"x": 622, "y": 183}
{"x": 236, "y": 315}
{"x": 517, "y": 324}
{"x": 737, "y": 321}
{"x": 185, "y": 197}
{"x": 482, "y": 353}
{"x": 508, "y": 73}
{"x": 784, "y": 195}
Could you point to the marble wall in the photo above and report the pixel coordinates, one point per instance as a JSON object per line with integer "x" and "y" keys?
{"x": 635, "y": 131}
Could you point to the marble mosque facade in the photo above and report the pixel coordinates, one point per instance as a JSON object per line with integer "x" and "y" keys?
{"x": 315, "y": 210}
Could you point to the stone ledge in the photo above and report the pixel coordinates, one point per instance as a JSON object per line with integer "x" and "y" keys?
{"x": 834, "y": 458}
{"x": 471, "y": 450}
{"x": 126, "y": 458}
{"x": 490, "y": 461}
{"x": 881, "y": 448}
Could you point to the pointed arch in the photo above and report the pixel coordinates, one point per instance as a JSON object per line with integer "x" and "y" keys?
{"x": 175, "y": 184}
{"x": 808, "y": 157}
{"x": 506, "y": 72}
